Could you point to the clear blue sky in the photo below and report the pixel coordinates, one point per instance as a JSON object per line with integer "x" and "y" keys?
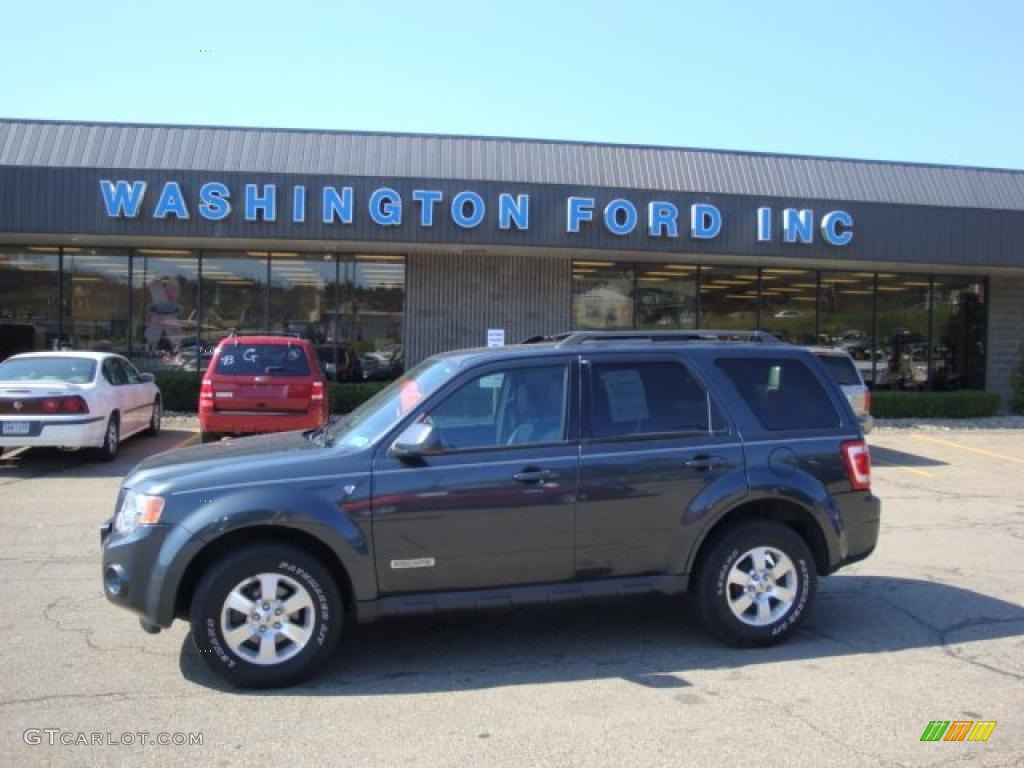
{"x": 935, "y": 81}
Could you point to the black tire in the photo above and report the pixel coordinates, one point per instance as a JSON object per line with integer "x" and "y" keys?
{"x": 111, "y": 439}
{"x": 208, "y": 437}
{"x": 156, "y": 419}
{"x": 714, "y": 595}
{"x": 291, "y": 565}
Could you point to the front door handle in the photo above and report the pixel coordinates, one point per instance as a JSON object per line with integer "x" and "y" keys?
{"x": 533, "y": 475}
{"x": 705, "y": 463}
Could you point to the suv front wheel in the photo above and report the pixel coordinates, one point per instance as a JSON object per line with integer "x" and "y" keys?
{"x": 266, "y": 616}
{"x": 755, "y": 584}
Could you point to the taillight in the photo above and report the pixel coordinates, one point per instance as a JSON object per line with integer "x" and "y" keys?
{"x": 857, "y": 459}
{"x": 318, "y": 391}
{"x": 206, "y": 396}
{"x": 51, "y": 405}
{"x": 74, "y": 404}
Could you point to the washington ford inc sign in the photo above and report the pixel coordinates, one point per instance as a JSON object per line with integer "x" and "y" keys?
{"x": 467, "y": 209}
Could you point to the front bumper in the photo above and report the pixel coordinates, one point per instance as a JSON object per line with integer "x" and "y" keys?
{"x": 56, "y": 432}
{"x": 141, "y": 569}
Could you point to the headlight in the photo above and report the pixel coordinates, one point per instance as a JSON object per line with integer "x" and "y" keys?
{"x": 137, "y": 509}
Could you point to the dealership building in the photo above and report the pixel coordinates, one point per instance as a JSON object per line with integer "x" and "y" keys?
{"x": 158, "y": 240}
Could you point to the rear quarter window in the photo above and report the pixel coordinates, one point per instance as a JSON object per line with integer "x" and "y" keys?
{"x": 842, "y": 369}
{"x": 783, "y": 393}
{"x": 262, "y": 360}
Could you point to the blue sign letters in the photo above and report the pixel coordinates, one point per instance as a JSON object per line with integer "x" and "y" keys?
{"x": 468, "y": 209}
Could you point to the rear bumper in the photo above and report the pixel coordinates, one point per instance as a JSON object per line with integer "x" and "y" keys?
{"x": 861, "y": 518}
{"x": 258, "y": 423}
{"x": 59, "y": 432}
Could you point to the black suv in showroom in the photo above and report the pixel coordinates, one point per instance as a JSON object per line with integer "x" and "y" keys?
{"x": 590, "y": 464}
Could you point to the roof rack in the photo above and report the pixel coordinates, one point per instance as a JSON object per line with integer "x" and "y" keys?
{"x": 576, "y": 338}
{"x": 282, "y": 334}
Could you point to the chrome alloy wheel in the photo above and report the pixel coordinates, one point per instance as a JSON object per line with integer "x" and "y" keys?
{"x": 113, "y": 435}
{"x": 762, "y": 586}
{"x": 267, "y": 618}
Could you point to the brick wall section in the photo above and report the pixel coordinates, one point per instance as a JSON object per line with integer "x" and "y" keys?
{"x": 452, "y": 299}
{"x": 1005, "y": 331}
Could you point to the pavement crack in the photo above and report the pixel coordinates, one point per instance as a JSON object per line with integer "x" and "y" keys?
{"x": 111, "y": 695}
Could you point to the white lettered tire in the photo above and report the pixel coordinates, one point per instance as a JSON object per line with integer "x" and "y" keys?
{"x": 756, "y": 584}
{"x": 266, "y": 616}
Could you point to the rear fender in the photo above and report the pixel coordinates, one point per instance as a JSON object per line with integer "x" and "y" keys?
{"x": 800, "y": 490}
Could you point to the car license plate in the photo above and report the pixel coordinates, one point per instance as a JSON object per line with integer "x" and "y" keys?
{"x": 17, "y": 428}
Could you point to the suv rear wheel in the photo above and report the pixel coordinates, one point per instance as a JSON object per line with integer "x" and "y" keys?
{"x": 755, "y": 584}
{"x": 266, "y": 616}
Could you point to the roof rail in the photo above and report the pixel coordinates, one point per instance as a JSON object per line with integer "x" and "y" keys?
{"x": 705, "y": 335}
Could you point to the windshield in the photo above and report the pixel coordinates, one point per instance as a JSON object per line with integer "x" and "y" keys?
{"x": 73, "y": 370}
{"x": 371, "y": 421}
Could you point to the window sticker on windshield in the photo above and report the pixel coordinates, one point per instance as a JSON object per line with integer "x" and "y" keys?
{"x": 627, "y": 400}
{"x": 249, "y": 355}
{"x": 293, "y": 353}
{"x": 228, "y": 360}
{"x": 408, "y": 396}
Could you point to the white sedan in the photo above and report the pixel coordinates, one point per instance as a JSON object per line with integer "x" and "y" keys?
{"x": 75, "y": 400}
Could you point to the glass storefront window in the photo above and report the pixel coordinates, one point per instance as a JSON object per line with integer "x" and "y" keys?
{"x": 96, "y": 297}
{"x": 371, "y": 316}
{"x": 602, "y": 295}
{"x": 728, "y": 298}
{"x": 958, "y": 333}
{"x": 29, "y": 300}
{"x": 666, "y": 296}
{"x": 165, "y": 285}
{"x": 788, "y": 304}
{"x": 845, "y": 317}
{"x": 234, "y": 293}
{"x": 903, "y": 303}
{"x": 302, "y": 295}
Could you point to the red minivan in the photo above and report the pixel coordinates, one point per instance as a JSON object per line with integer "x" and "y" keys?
{"x": 261, "y": 384}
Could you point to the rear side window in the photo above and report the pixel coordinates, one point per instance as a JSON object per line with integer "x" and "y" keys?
{"x": 263, "y": 360}
{"x": 784, "y": 394}
{"x": 842, "y": 369}
{"x": 645, "y": 398}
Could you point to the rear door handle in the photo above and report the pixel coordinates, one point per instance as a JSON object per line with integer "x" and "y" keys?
{"x": 705, "y": 463}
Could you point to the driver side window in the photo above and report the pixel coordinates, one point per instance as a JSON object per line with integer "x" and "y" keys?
{"x": 520, "y": 406}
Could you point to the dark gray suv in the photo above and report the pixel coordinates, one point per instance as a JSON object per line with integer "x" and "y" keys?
{"x": 595, "y": 464}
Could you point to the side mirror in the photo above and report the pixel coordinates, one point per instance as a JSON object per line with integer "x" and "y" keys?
{"x": 417, "y": 440}
{"x": 147, "y": 378}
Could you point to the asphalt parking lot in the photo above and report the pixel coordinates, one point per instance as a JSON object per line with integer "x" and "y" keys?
{"x": 929, "y": 628}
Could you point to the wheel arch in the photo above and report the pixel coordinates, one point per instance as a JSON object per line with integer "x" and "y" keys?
{"x": 786, "y": 511}
{"x": 259, "y": 534}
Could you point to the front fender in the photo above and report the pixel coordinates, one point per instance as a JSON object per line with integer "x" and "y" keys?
{"x": 343, "y": 527}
